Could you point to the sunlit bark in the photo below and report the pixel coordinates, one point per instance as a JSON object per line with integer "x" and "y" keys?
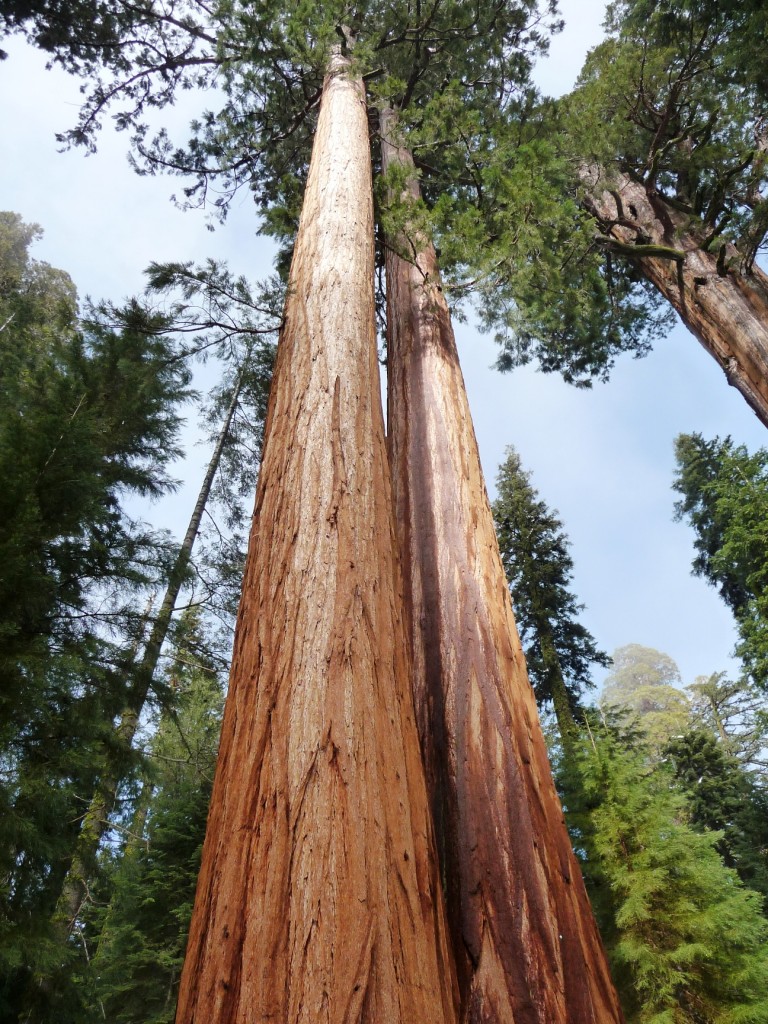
{"x": 319, "y": 896}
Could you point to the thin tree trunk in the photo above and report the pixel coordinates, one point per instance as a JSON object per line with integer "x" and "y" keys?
{"x": 566, "y": 723}
{"x": 524, "y": 936}
{"x": 724, "y": 307}
{"x": 96, "y": 819}
{"x": 319, "y": 898}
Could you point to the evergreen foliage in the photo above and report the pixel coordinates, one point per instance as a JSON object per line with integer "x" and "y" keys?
{"x": 143, "y": 937}
{"x": 559, "y": 651}
{"x": 724, "y": 492}
{"x": 90, "y": 417}
{"x": 721, "y": 797}
{"x": 668, "y": 99}
{"x": 646, "y": 683}
{"x": 687, "y": 941}
{"x": 736, "y": 713}
{"x": 674, "y": 98}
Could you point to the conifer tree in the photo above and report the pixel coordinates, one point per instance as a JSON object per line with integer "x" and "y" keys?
{"x": 646, "y": 682}
{"x": 686, "y": 939}
{"x": 539, "y": 569}
{"x": 721, "y": 797}
{"x": 135, "y": 973}
{"x": 725, "y": 499}
{"x": 735, "y": 712}
{"x": 420, "y": 57}
{"x": 90, "y": 417}
{"x": 474, "y": 704}
{"x": 141, "y": 673}
{"x": 319, "y": 891}
{"x": 669, "y": 125}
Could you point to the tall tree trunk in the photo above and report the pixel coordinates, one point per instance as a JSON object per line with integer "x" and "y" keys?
{"x": 566, "y": 723}
{"x": 96, "y": 819}
{"x": 523, "y": 932}
{"x": 724, "y": 307}
{"x": 319, "y": 897}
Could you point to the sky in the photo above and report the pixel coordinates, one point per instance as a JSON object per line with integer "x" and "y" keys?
{"x": 603, "y": 458}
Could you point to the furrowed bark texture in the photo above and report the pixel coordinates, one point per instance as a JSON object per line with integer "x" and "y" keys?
{"x": 726, "y": 309}
{"x": 523, "y": 933}
{"x": 319, "y": 896}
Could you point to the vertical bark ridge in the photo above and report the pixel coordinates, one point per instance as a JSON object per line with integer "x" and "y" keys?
{"x": 725, "y": 309}
{"x": 523, "y": 933}
{"x": 319, "y": 897}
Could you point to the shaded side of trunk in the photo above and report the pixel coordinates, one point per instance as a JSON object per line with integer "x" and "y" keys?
{"x": 318, "y": 899}
{"x": 725, "y": 308}
{"x": 96, "y": 819}
{"x": 526, "y": 943}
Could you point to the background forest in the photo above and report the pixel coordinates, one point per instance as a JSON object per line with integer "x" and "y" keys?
{"x": 115, "y": 632}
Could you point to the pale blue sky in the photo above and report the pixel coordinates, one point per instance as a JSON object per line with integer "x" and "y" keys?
{"x": 602, "y": 458}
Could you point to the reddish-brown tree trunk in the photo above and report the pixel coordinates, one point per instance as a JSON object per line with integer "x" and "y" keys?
{"x": 319, "y": 898}
{"x": 725, "y": 308}
{"x": 523, "y": 933}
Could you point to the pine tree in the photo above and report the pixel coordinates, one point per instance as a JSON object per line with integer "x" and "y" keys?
{"x": 135, "y": 973}
{"x": 534, "y": 551}
{"x": 721, "y": 797}
{"x": 735, "y": 712}
{"x": 141, "y": 676}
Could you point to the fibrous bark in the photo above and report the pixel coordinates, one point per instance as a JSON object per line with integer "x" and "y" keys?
{"x": 319, "y": 897}
{"x": 523, "y": 933}
{"x": 725, "y": 307}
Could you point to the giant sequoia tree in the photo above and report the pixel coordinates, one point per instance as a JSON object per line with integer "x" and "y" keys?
{"x": 492, "y": 793}
{"x": 659, "y": 156}
{"x": 319, "y": 894}
{"x": 523, "y": 933}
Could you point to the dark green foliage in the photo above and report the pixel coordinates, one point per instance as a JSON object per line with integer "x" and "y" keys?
{"x": 559, "y": 651}
{"x": 721, "y": 797}
{"x": 675, "y": 98}
{"x": 687, "y": 942}
{"x": 88, "y": 418}
{"x": 545, "y": 288}
{"x": 142, "y": 943}
{"x": 737, "y": 713}
{"x": 725, "y": 499}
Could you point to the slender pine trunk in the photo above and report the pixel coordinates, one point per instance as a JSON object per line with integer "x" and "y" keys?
{"x": 566, "y": 723}
{"x": 318, "y": 899}
{"x": 722, "y": 305}
{"x": 96, "y": 819}
{"x": 523, "y": 932}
